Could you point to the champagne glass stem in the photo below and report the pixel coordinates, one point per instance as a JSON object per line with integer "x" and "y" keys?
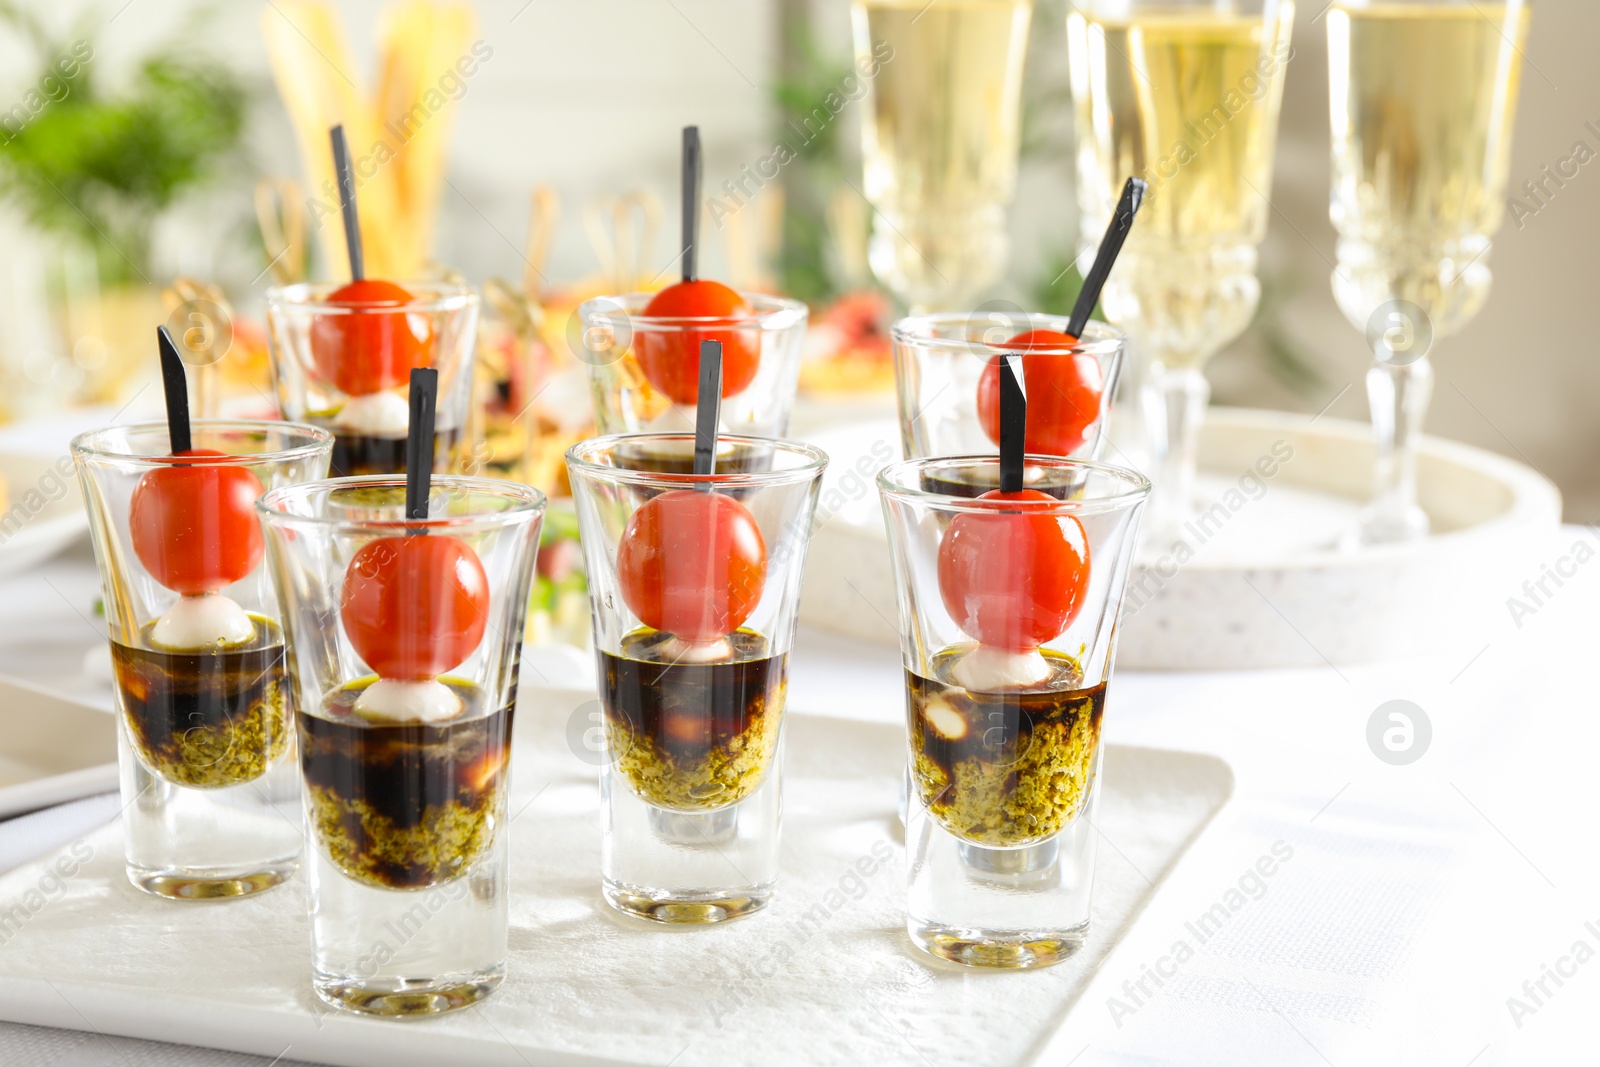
{"x": 1176, "y": 399}
{"x": 1399, "y": 395}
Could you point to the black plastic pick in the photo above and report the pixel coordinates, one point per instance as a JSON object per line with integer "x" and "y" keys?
{"x": 346, "y": 177}
{"x": 419, "y": 441}
{"x": 1110, "y": 247}
{"x": 708, "y": 409}
{"x": 692, "y": 175}
{"x": 179, "y": 433}
{"x": 1013, "y": 424}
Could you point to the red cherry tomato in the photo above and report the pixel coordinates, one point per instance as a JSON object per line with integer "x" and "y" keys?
{"x": 373, "y": 348}
{"x": 1014, "y": 580}
{"x": 194, "y": 527}
{"x": 415, "y": 606}
{"x": 1064, "y": 393}
{"x": 692, "y": 564}
{"x": 671, "y": 359}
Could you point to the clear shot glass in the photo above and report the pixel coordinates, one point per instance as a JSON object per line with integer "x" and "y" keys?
{"x": 947, "y": 381}
{"x": 205, "y": 732}
{"x": 641, "y": 367}
{"x": 346, "y": 367}
{"x": 1008, "y": 622}
{"x": 405, "y": 639}
{"x": 695, "y": 583}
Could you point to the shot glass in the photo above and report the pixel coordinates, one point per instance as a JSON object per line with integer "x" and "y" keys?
{"x": 947, "y": 381}
{"x": 205, "y": 734}
{"x": 1008, "y": 622}
{"x": 346, "y": 368}
{"x": 695, "y": 584}
{"x": 642, "y": 368}
{"x": 405, "y": 638}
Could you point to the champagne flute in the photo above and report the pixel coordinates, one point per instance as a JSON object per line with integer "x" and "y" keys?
{"x": 1184, "y": 94}
{"x": 940, "y": 134}
{"x": 1423, "y": 95}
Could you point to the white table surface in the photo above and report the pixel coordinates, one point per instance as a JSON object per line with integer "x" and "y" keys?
{"x": 1513, "y": 763}
{"x": 1514, "y": 751}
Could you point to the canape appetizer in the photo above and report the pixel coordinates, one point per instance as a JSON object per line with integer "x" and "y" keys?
{"x": 693, "y": 698}
{"x": 708, "y": 311}
{"x": 366, "y": 348}
{"x": 404, "y": 767}
{"x": 202, "y": 688}
{"x": 1003, "y": 732}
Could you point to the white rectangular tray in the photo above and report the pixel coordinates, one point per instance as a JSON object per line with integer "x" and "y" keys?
{"x": 589, "y": 986}
{"x": 52, "y": 749}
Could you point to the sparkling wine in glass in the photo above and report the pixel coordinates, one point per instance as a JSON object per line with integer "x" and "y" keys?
{"x": 1423, "y": 97}
{"x": 1186, "y": 96}
{"x": 940, "y": 133}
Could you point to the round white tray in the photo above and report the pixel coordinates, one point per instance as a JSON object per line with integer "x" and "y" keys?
{"x": 1267, "y": 584}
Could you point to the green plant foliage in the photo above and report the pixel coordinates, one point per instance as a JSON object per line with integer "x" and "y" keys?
{"x": 100, "y": 167}
{"x": 1055, "y": 290}
{"x": 817, "y": 169}
{"x": 1286, "y": 359}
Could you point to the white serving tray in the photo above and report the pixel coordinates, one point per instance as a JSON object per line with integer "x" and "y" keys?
{"x": 1268, "y": 584}
{"x": 43, "y": 513}
{"x": 589, "y": 986}
{"x": 52, "y": 748}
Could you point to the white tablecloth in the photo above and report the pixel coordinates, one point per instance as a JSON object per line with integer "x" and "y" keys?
{"x": 1443, "y": 912}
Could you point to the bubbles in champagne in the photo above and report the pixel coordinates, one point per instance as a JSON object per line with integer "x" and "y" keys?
{"x": 1422, "y": 101}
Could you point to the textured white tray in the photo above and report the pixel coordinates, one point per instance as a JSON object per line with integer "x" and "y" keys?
{"x": 52, "y": 749}
{"x": 44, "y": 509}
{"x": 588, "y": 986}
{"x": 1267, "y": 585}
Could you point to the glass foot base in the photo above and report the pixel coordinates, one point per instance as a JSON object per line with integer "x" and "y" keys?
{"x": 407, "y": 998}
{"x": 210, "y": 883}
{"x": 665, "y": 906}
{"x": 1010, "y": 861}
{"x": 1388, "y": 528}
{"x": 1006, "y": 949}
{"x": 694, "y": 829}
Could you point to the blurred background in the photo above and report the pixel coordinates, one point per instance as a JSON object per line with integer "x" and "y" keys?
{"x": 147, "y": 163}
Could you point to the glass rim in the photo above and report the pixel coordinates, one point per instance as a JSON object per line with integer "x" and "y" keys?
{"x": 528, "y": 502}
{"x": 1136, "y": 486}
{"x": 303, "y": 297}
{"x": 1347, "y": 5}
{"x": 1159, "y": 7}
{"x": 84, "y": 443}
{"x": 767, "y": 312}
{"x": 579, "y": 458}
{"x": 917, "y": 331}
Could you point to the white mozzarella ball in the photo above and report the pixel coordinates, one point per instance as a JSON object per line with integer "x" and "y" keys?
{"x": 388, "y": 700}
{"x": 207, "y": 621}
{"x": 987, "y": 669}
{"x": 383, "y": 414}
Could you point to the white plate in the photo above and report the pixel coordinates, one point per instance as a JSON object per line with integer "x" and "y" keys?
{"x": 52, "y": 749}
{"x": 825, "y": 976}
{"x": 43, "y": 513}
{"x": 1267, "y": 585}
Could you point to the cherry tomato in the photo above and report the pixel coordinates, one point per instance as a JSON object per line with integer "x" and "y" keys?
{"x": 194, "y": 527}
{"x": 1010, "y": 579}
{"x": 1063, "y": 389}
{"x": 671, "y": 359}
{"x": 372, "y": 349}
{"x": 415, "y": 606}
{"x": 692, "y": 564}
